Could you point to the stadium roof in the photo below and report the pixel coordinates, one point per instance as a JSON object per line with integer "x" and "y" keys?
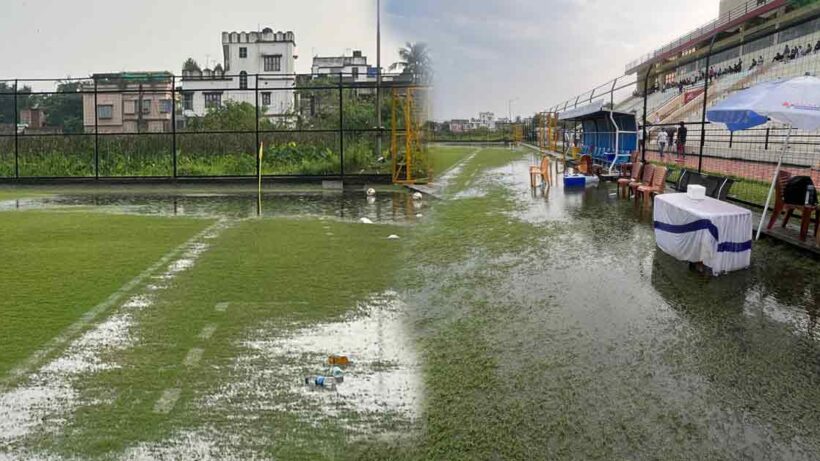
{"x": 595, "y": 109}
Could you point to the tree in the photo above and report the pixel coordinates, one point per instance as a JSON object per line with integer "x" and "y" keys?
{"x": 65, "y": 107}
{"x": 415, "y": 61}
{"x": 190, "y": 65}
{"x": 231, "y": 116}
{"x": 25, "y": 100}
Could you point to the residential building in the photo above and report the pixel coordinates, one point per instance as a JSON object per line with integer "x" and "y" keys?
{"x": 34, "y": 118}
{"x": 353, "y": 68}
{"x": 253, "y": 62}
{"x": 128, "y": 102}
{"x": 459, "y": 125}
{"x": 486, "y": 120}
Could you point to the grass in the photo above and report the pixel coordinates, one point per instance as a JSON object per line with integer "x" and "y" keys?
{"x": 15, "y": 194}
{"x": 58, "y": 266}
{"x": 572, "y": 339}
{"x": 485, "y": 159}
{"x": 260, "y": 263}
{"x": 443, "y": 158}
{"x": 198, "y": 154}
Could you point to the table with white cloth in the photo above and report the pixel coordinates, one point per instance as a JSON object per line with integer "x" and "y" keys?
{"x": 715, "y": 233}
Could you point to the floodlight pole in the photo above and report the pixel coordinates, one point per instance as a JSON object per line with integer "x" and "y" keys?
{"x": 379, "y": 77}
{"x": 703, "y": 112}
{"x": 642, "y": 145}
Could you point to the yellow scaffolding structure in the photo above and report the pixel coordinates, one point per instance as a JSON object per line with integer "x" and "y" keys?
{"x": 406, "y": 147}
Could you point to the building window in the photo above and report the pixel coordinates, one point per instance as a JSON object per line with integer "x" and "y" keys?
{"x": 213, "y": 100}
{"x": 146, "y": 106}
{"x": 243, "y": 80}
{"x": 129, "y": 107}
{"x": 266, "y": 98}
{"x": 187, "y": 101}
{"x": 105, "y": 112}
{"x": 355, "y": 73}
{"x": 273, "y": 63}
{"x": 243, "y": 52}
{"x": 165, "y": 106}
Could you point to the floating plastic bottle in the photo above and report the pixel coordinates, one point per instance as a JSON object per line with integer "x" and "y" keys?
{"x": 339, "y": 360}
{"x": 327, "y": 382}
{"x": 337, "y": 374}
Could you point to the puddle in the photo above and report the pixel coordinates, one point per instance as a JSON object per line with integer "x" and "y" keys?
{"x": 382, "y": 386}
{"x": 348, "y": 204}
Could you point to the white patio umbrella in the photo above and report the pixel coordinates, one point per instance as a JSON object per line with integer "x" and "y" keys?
{"x": 794, "y": 102}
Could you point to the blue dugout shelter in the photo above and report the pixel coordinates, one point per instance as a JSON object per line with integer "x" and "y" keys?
{"x": 608, "y": 136}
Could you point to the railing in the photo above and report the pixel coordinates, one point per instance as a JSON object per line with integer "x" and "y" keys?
{"x": 705, "y": 30}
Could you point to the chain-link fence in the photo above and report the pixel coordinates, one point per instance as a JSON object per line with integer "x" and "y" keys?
{"x": 141, "y": 125}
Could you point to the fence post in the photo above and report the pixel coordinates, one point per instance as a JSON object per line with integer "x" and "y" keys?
{"x": 16, "y": 145}
{"x": 705, "y": 100}
{"x": 256, "y": 148}
{"x": 731, "y": 138}
{"x": 341, "y": 129}
{"x": 174, "y": 123}
{"x": 96, "y": 132}
{"x": 766, "y": 146}
{"x": 643, "y": 125}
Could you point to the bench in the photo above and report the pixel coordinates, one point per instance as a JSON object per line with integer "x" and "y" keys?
{"x": 717, "y": 187}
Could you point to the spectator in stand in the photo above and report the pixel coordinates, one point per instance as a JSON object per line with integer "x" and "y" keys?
{"x": 787, "y": 51}
{"x": 640, "y": 138}
{"x": 663, "y": 141}
{"x": 807, "y": 50}
{"x": 793, "y": 54}
{"x": 680, "y": 88}
{"x": 670, "y": 133}
{"x": 754, "y": 63}
{"x": 682, "y": 131}
{"x": 817, "y": 46}
{"x": 778, "y": 58}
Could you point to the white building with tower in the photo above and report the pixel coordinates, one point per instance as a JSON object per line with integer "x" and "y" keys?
{"x": 262, "y": 62}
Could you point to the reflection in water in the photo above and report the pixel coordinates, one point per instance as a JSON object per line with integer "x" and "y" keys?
{"x": 393, "y": 207}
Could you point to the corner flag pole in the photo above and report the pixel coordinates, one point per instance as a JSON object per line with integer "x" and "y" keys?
{"x": 259, "y": 196}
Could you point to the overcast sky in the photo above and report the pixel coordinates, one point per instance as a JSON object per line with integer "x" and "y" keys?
{"x": 486, "y": 52}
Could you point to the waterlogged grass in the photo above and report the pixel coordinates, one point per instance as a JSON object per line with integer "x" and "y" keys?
{"x": 566, "y": 339}
{"x": 15, "y": 193}
{"x": 269, "y": 270}
{"x": 484, "y": 160}
{"x": 443, "y": 158}
{"x": 58, "y": 266}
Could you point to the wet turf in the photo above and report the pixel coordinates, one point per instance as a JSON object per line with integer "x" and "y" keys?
{"x": 545, "y": 327}
{"x": 57, "y": 266}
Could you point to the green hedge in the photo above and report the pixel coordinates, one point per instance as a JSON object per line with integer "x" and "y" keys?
{"x": 198, "y": 154}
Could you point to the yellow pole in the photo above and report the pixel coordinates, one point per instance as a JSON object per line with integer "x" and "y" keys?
{"x": 259, "y": 194}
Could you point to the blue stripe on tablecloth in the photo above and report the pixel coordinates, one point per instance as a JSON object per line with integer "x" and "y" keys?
{"x": 705, "y": 224}
{"x": 694, "y": 226}
{"x": 734, "y": 247}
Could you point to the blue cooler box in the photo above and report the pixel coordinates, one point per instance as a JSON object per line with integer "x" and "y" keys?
{"x": 575, "y": 180}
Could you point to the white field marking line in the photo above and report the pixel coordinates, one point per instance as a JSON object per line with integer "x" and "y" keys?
{"x": 167, "y": 401}
{"x": 207, "y": 332}
{"x": 75, "y": 328}
{"x": 221, "y": 307}
{"x": 193, "y": 357}
{"x": 461, "y": 162}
